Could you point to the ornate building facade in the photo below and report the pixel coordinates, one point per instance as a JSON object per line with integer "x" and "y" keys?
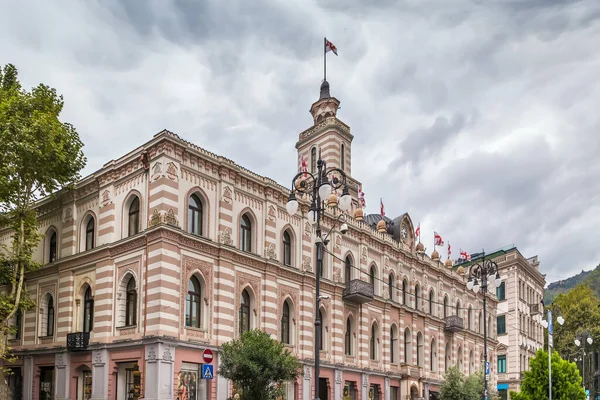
{"x": 171, "y": 250}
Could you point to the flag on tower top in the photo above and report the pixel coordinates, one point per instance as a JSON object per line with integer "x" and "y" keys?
{"x": 465, "y": 255}
{"x": 437, "y": 239}
{"x": 330, "y": 47}
{"x": 304, "y": 167}
{"x": 449, "y": 251}
{"x": 418, "y": 231}
{"x": 361, "y": 197}
{"x": 382, "y": 208}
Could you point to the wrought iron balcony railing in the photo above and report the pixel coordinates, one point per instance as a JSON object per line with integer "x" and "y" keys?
{"x": 454, "y": 323}
{"x": 358, "y": 291}
{"x": 78, "y": 341}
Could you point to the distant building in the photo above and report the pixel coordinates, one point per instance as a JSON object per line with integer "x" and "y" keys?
{"x": 171, "y": 250}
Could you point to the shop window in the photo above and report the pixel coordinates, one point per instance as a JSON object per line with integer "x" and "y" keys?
{"x": 84, "y": 385}
{"x": 133, "y": 383}
{"x": 46, "y": 383}
{"x": 189, "y": 384}
{"x": 350, "y": 391}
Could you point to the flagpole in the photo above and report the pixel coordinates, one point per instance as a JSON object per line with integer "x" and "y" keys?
{"x": 324, "y": 59}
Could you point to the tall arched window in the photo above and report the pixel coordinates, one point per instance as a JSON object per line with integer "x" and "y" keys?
{"x": 245, "y": 234}
{"x": 348, "y": 269}
{"x": 373, "y": 344}
{"x": 88, "y": 310}
{"x": 285, "y": 323}
{"x": 313, "y": 160}
{"x": 348, "y": 338}
{"x": 52, "y": 254}
{"x": 420, "y": 350}
{"x": 433, "y": 357}
{"x": 470, "y": 318}
{"x": 407, "y": 347}
{"x": 195, "y": 215}
{"x": 391, "y": 286}
{"x": 471, "y": 362}
{"x": 343, "y": 156}
{"x": 131, "y": 303}
{"x": 322, "y": 339}
{"x": 447, "y": 357}
{"x": 50, "y": 317}
{"x": 193, "y": 304}
{"x": 445, "y": 306}
{"x": 458, "y": 308}
{"x": 372, "y": 275}
{"x": 404, "y": 292}
{"x": 89, "y": 234}
{"x": 134, "y": 217}
{"x": 245, "y": 312}
{"x": 287, "y": 249}
{"x": 431, "y": 298}
{"x": 417, "y": 296}
{"x": 393, "y": 340}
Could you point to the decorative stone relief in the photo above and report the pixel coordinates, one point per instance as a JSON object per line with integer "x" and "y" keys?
{"x": 170, "y": 218}
{"x": 386, "y": 263}
{"x": 151, "y": 353}
{"x": 386, "y": 294}
{"x": 106, "y": 198}
{"x": 98, "y": 359}
{"x": 68, "y": 214}
{"x": 272, "y": 216}
{"x": 338, "y": 376}
{"x": 172, "y": 171}
{"x": 338, "y": 243}
{"x": 337, "y": 275}
{"x": 365, "y": 380}
{"x": 227, "y": 195}
{"x": 363, "y": 254}
{"x": 156, "y": 169}
{"x": 225, "y": 237}
{"x": 306, "y": 265}
{"x": 307, "y": 373}
{"x": 59, "y": 360}
{"x": 307, "y": 229}
{"x": 167, "y": 355}
{"x": 270, "y": 252}
{"x": 155, "y": 219}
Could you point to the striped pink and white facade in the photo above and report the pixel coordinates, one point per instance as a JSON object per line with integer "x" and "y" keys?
{"x": 161, "y": 256}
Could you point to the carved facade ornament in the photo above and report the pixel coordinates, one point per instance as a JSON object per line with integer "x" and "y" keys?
{"x": 167, "y": 355}
{"x": 172, "y": 171}
{"x": 307, "y": 229}
{"x": 337, "y": 275}
{"x": 155, "y": 219}
{"x": 386, "y": 263}
{"x": 151, "y": 353}
{"x": 106, "y": 198}
{"x": 386, "y": 294}
{"x": 365, "y": 380}
{"x": 306, "y": 264}
{"x": 363, "y": 254}
{"x": 156, "y": 170}
{"x": 98, "y": 359}
{"x": 170, "y": 218}
{"x": 270, "y": 252}
{"x": 59, "y": 360}
{"x": 227, "y": 195}
{"x": 338, "y": 376}
{"x": 68, "y": 217}
{"x": 272, "y": 216}
{"x": 225, "y": 237}
{"x": 307, "y": 373}
{"x": 338, "y": 242}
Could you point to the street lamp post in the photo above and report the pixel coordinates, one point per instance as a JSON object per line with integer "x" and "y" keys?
{"x": 548, "y": 324}
{"x": 479, "y": 274}
{"x": 581, "y": 340}
{"x": 320, "y": 191}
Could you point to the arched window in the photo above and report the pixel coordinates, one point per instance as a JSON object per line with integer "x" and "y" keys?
{"x": 193, "y": 304}
{"x": 134, "y": 217}
{"x": 287, "y": 249}
{"x": 393, "y": 340}
{"x": 471, "y": 362}
{"x": 459, "y": 356}
{"x": 447, "y": 357}
{"x": 88, "y": 310}
{"x": 470, "y": 318}
{"x": 407, "y": 347}
{"x": 342, "y": 156}
{"x": 391, "y": 286}
{"x": 52, "y": 254}
{"x": 322, "y": 339}
{"x": 195, "y": 215}
{"x": 431, "y": 298}
{"x": 245, "y": 234}
{"x": 50, "y": 317}
{"x": 458, "y": 308}
{"x": 89, "y": 234}
{"x": 433, "y": 357}
{"x": 18, "y": 324}
{"x": 348, "y": 269}
{"x": 420, "y": 350}
{"x": 313, "y": 160}
{"x": 417, "y": 296}
{"x": 373, "y": 346}
{"x": 348, "y": 338}
{"x": 245, "y": 312}
{"x": 404, "y": 292}
{"x": 285, "y": 323}
{"x": 445, "y": 306}
{"x": 372, "y": 275}
{"x": 131, "y": 303}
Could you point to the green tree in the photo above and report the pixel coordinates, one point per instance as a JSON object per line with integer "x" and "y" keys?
{"x": 453, "y": 386}
{"x": 39, "y": 155}
{"x": 566, "y": 381}
{"x": 474, "y": 387}
{"x": 258, "y": 365}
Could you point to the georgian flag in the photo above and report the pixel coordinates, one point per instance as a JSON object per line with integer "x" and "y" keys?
{"x": 304, "y": 167}
{"x": 437, "y": 239}
{"x": 330, "y": 47}
{"x": 382, "y": 208}
{"x": 418, "y": 231}
{"x": 449, "y": 251}
{"x": 361, "y": 197}
{"x": 465, "y": 255}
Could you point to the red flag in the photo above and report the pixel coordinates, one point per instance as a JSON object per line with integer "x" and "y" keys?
{"x": 418, "y": 231}
{"x": 437, "y": 239}
{"x": 304, "y": 167}
{"x": 361, "y": 197}
{"x": 449, "y": 252}
{"x": 465, "y": 255}
{"x": 382, "y": 208}
{"x": 330, "y": 47}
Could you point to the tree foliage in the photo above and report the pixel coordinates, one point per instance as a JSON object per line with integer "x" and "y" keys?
{"x": 457, "y": 386}
{"x": 258, "y": 365}
{"x": 39, "y": 155}
{"x": 566, "y": 381}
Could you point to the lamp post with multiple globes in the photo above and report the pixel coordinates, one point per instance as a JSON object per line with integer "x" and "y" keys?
{"x": 580, "y": 341}
{"x": 321, "y": 192}
{"x": 479, "y": 274}
{"x": 547, "y": 324}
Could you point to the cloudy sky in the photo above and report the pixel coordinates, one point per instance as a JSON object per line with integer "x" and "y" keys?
{"x": 478, "y": 118}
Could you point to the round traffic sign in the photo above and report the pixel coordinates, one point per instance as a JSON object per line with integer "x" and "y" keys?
{"x": 207, "y": 355}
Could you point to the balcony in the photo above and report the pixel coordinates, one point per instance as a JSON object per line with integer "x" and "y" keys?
{"x": 358, "y": 291}
{"x": 454, "y": 323}
{"x": 78, "y": 341}
{"x": 535, "y": 309}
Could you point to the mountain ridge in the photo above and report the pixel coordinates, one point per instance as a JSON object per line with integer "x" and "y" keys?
{"x": 590, "y": 278}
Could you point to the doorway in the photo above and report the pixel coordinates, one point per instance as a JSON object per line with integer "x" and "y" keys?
{"x": 323, "y": 390}
{"x": 46, "y": 383}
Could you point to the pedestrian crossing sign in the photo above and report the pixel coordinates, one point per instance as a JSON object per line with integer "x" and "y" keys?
{"x": 207, "y": 371}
